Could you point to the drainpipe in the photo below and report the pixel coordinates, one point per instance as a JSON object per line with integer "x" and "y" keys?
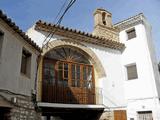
{"x": 38, "y": 61}
{"x": 34, "y": 94}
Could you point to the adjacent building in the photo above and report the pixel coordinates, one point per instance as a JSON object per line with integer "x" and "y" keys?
{"x": 18, "y": 67}
{"x": 140, "y": 68}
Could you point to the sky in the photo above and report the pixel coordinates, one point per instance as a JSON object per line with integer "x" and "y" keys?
{"x": 80, "y": 16}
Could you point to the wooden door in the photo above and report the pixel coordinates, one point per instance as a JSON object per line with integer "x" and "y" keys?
{"x": 120, "y": 115}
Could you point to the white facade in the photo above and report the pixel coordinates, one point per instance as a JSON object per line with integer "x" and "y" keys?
{"x": 110, "y": 85}
{"x": 141, "y": 94}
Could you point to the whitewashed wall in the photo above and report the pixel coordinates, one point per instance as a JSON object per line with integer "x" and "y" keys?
{"x": 39, "y": 37}
{"x": 135, "y": 95}
{"x": 112, "y": 84}
{"x": 141, "y": 93}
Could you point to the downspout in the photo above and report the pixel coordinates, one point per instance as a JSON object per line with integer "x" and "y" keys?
{"x": 38, "y": 61}
{"x": 34, "y": 94}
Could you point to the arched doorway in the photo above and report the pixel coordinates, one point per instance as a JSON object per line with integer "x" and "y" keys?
{"x": 68, "y": 76}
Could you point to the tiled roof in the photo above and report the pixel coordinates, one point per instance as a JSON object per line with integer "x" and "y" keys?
{"x": 40, "y": 25}
{"x": 19, "y": 31}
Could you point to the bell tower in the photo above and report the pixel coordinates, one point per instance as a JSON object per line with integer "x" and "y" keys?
{"x": 102, "y": 17}
{"x": 103, "y": 25}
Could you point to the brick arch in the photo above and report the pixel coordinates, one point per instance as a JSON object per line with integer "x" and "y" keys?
{"x": 93, "y": 57}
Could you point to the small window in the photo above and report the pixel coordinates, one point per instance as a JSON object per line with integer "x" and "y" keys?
{"x": 145, "y": 115}
{"x": 26, "y": 63}
{"x": 49, "y": 73}
{"x": 76, "y": 75}
{"x": 131, "y": 33}
{"x": 1, "y": 41}
{"x": 132, "y": 72}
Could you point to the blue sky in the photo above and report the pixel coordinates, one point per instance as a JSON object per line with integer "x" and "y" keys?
{"x": 26, "y": 12}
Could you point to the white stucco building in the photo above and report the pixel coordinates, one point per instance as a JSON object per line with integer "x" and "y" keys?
{"x": 125, "y": 67}
{"x": 141, "y": 93}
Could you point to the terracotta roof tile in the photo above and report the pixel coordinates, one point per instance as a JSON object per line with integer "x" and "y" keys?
{"x": 95, "y": 39}
{"x": 18, "y": 30}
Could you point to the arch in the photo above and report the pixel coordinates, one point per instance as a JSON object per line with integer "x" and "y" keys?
{"x": 68, "y": 53}
{"x": 92, "y": 56}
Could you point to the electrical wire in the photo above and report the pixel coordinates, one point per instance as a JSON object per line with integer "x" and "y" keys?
{"x": 60, "y": 10}
{"x": 59, "y": 22}
{"x": 56, "y": 18}
{"x": 61, "y": 18}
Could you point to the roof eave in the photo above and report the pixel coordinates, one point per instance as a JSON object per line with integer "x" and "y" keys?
{"x": 48, "y": 27}
{"x": 12, "y": 24}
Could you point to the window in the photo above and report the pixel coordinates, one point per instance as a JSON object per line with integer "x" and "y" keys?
{"x": 68, "y": 76}
{"x": 145, "y": 115}
{"x": 49, "y": 73}
{"x": 26, "y": 63}
{"x": 62, "y": 73}
{"x": 131, "y": 33}
{"x": 66, "y": 73}
{"x": 1, "y": 41}
{"x": 87, "y": 76}
{"x": 76, "y": 75}
{"x": 68, "y": 68}
{"x": 132, "y": 72}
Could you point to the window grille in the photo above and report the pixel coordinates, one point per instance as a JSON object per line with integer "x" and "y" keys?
{"x": 131, "y": 33}
{"x": 132, "y": 72}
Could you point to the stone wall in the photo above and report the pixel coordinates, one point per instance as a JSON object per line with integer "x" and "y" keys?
{"x": 24, "y": 110}
{"x": 107, "y": 115}
{"x": 106, "y": 32}
{"x": 20, "y": 107}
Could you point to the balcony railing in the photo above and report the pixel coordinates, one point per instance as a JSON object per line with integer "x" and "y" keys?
{"x": 70, "y": 95}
